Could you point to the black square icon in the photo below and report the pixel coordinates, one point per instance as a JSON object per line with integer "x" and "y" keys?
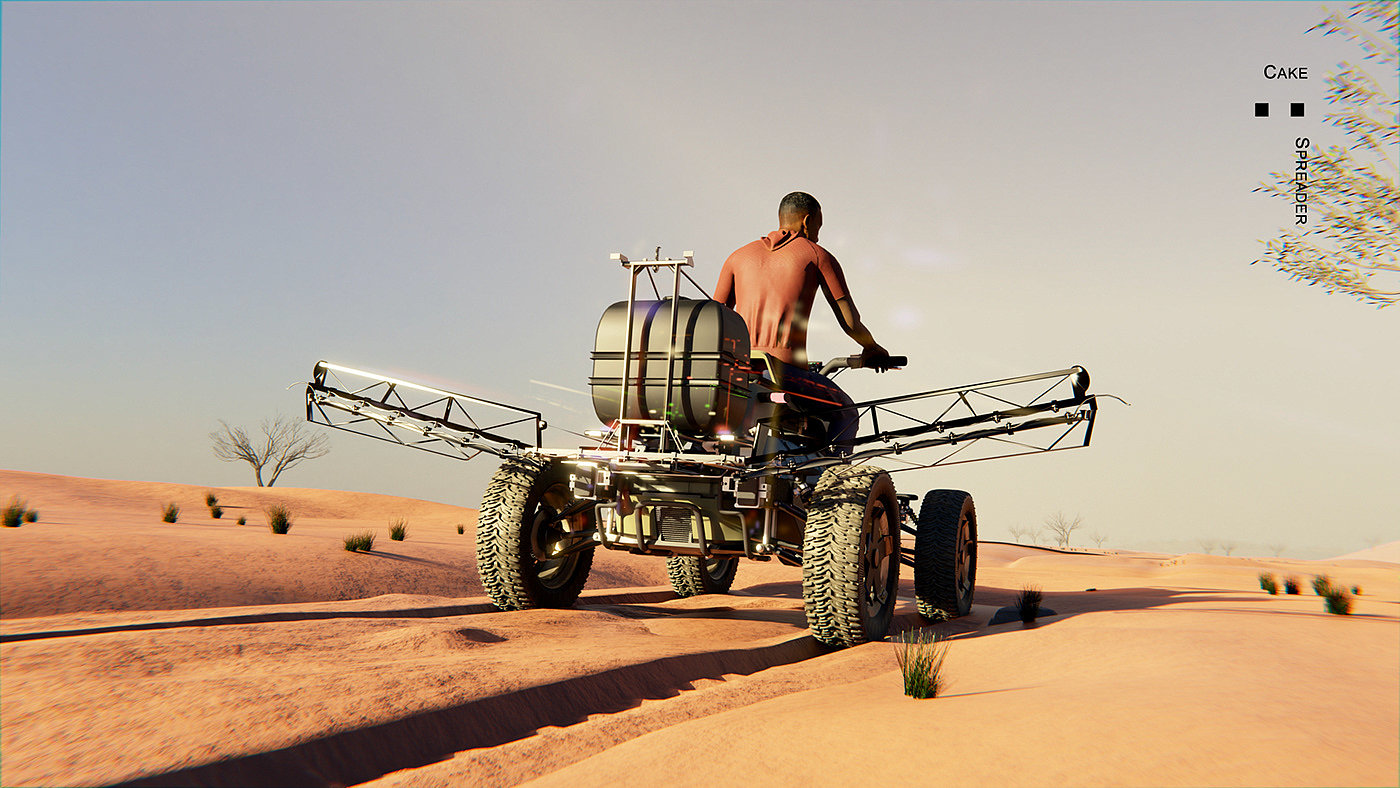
{"x": 1261, "y": 109}
{"x": 1295, "y": 110}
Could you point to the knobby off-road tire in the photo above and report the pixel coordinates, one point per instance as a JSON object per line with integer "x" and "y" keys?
{"x": 692, "y": 575}
{"x": 945, "y": 555}
{"x": 850, "y": 556}
{"x": 513, "y": 527}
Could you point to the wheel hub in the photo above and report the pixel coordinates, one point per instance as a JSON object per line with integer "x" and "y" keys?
{"x": 964, "y": 559}
{"x": 547, "y": 533}
{"x": 879, "y": 551}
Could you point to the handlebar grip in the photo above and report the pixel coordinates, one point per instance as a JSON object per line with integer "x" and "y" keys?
{"x": 888, "y": 362}
{"x": 858, "y": 362}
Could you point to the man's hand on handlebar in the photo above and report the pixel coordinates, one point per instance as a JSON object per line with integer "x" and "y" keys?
{"x": 877, "y": 358}
{"x": 884, "y": 364}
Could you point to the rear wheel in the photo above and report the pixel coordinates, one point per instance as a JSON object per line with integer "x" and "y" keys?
{"x": 520, "y": 537}
{"x": 693, "y": 575}
{"x": 945, "y": 555}
{"x": 850, "y": 556}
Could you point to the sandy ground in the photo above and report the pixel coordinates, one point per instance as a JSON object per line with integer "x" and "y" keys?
{"x": 134, "y": 651}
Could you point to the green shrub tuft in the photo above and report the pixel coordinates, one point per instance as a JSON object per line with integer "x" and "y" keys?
{"x": 1268, "y": 583}
{"x": 211, "y": 500}
{"x": 1291, "y": 585}
{"x": 171, "y": 512}
{"x": 14, "y": 512}
{"x": 460, "y": 529}
{"x": 360, "y": 541}
{"x": 1028, "y": 603}
{"x": 243, "y": 521}
{"x": 1338, "y": 601}
{"x": 1321, "y": 584}
{"x": 398, "y": 529}
{"x": 216, "y": 511}
{"x": 920, "y": 654}
{"x": 279, "y": 518}
{"x": 1355, "y": 590}
{"x": 31, "y": 516}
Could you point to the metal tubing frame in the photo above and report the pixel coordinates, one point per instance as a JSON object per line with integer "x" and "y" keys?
{"x": 374, "y": 411}
{"x": 378, "y": 409}
{"x": 470, "y": 440}
{"x": 626, "y": 435}
{"x": 1080, "y": 408}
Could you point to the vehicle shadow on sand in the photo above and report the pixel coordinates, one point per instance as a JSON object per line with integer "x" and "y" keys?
{"x": 358, "y": 755}
{"x": 353, "y": 756}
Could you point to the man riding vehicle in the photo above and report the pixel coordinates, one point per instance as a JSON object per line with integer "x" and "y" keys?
{"x": 772, "y": 284}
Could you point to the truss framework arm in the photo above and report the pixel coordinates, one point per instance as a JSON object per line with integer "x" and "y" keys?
{"x": 1030, "y": 414}
{"x": 421, "y": 417}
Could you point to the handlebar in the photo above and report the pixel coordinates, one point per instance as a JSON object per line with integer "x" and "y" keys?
{"x": 858, "y": 362}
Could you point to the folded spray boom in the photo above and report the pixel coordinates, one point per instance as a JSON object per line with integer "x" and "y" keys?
{"x": 422, "y": 417}
{"x": 1049, "y": 411}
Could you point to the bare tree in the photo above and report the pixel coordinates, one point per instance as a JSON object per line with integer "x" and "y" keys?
{"x": 1207, "y": 545}
{"x": 1019, "y": 532}
{"x": 283, "y": 445}
{"x": 1278, "y": 548}
{"x": 1061, "y": 526}
{"x": 1347, "y": 214}
{"x": 1228, "y": 546}
{"x": 1098, "y": 539}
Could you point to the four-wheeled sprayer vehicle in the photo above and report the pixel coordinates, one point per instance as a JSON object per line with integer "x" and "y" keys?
{"x": 705, "y": 459}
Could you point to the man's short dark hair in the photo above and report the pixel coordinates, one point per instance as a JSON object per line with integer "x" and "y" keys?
{"x": 798, "y": 204}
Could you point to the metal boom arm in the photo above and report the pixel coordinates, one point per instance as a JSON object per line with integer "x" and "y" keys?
{"x": 979, "y": 422}
{"x": 417, "y": 416}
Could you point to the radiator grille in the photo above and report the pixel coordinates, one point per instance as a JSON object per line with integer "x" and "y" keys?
{"x": 675, "y": 524}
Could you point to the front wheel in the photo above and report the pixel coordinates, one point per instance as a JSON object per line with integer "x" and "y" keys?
{"x": 521, "y": 539}
{"x": 692, "y": 575}
{"x": 945, "y": 555}
{"x": 850, "y": 556}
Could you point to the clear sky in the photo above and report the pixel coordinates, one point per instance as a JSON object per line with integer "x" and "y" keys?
{"x": 200, "y": 200}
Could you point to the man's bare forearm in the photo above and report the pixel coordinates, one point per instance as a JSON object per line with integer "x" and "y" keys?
{"x": 849, "y": 317}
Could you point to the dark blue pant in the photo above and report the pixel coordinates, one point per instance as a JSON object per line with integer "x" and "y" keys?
{"x": 815, "y": 394}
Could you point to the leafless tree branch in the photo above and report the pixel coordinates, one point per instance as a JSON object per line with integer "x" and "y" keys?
{"x": 284, "y": 443}
{"x": 1061, "y": 526}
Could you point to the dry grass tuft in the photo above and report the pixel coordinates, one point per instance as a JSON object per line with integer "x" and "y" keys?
{"x": 1338, "y": 601}
{"x": 279, "y": 518}
{"x": 15, "y": 511}
{"x": 1028, "y": 603}
{"x": 398, "y": 529}
{"x": 920, "y": 654}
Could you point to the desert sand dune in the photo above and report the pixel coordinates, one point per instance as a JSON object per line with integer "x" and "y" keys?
{"x": 101, "y": 545}
{"x": 1388, "y": 553}
{"x": 201, "y": 653}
